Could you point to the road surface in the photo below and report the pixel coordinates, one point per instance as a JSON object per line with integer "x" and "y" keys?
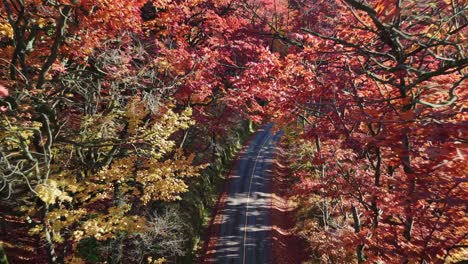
{"x": 244, "y": 235}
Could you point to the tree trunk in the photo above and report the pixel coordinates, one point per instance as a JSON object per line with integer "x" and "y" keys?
{"x": 116, "y": 250}
{"x": 50, "y": 245}
{"x": 116, "y": 244}
{"x": 412, "y": 187}
{"x": 357, "y": 229}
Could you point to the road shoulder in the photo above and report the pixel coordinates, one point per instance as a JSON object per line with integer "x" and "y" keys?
{"x": 287, "y": 246}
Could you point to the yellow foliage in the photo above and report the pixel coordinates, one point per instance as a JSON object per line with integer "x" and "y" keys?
{"x": 154, "y": 169}
{"x": 457, "y": 255}
{"x": 157, "y": 133}
{"x": 71, "y": 259}
{"x": 164, "y": 180}
{"x": 57, "y": 220}
{"x": 120, "y": 170}
{"x": 164, "y": 65}
{"x": 36, "y": 230}
{"x": 100, "y": 127}
{"x": 6, "y": 30}
{"x": 15, "y": 135}
{"x": 57, "y": 238}
{"x": 64, "y": 218}
{"x": 135, "y": 113}
{"x": 105, "y": 226}
{"x": 49, "y": 193}
{"x": 156, "y": 261}
{"x": 41, "y": 22}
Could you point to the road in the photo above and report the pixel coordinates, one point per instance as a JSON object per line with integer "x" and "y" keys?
{"x": 244, "y": 235}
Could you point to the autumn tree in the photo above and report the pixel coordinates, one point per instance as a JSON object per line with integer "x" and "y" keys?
{"x": 102, "y": 103}
{"x": 99, "y": 102}
{"x": 379, "y": 87}
{"x": 85, "y": 136}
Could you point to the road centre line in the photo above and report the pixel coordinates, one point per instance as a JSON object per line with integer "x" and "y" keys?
{"x": 248, "y": 196}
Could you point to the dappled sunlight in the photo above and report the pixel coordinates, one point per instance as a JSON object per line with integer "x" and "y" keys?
{"x": 244, "y": 231}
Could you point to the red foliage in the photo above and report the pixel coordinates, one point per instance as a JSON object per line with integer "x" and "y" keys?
{"x": 381, "y": 87}
{"x": 3, "y": 91}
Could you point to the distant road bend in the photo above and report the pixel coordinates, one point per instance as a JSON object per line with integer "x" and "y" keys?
{"x": 245, "y": 232}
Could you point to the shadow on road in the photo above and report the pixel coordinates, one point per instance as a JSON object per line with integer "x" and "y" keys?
{"x": 243, "y": 225}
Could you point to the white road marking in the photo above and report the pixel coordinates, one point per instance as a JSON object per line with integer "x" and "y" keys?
{"x": 248, "y": 196}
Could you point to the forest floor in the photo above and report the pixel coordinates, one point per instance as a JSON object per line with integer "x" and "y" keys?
{"x": 18, "y": 245}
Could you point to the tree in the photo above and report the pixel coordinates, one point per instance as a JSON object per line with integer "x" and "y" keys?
{"x": 41, "y": 35}
{"x": 93, "y": 178}
{"x": 95, "y": 129}
{"x": 379, "y": 87}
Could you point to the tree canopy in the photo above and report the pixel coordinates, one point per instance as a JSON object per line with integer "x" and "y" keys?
{"x": 106, "y": 106}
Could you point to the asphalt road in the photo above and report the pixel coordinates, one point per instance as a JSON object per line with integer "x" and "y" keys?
{"x": 244, "y": 235}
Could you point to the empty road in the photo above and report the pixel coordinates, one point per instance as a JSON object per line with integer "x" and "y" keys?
{"x": 244, "y": 234}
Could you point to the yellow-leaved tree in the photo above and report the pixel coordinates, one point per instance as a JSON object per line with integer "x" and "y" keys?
{"x": 88, "y": 153}
{"x": 140, "y": 161}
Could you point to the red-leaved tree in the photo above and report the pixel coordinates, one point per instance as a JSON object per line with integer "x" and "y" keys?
{"x": 380, "y": 86}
